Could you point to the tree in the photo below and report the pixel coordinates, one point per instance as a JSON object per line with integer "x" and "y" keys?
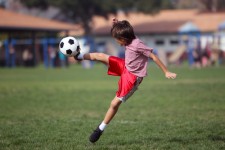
{"x": 213, "y": 5}
{"x": 202, "y": 5}
{"x": 82, "y": 12}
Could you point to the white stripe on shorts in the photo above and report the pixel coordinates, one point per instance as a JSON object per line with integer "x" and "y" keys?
{"x": 135, "y": 87}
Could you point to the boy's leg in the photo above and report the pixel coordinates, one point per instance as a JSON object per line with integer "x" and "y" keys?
{"x": 108, "y": 117}
{"x": 112, "y": 110}
{"x": 104, "y": 58}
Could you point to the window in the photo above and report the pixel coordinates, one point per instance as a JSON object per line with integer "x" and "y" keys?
{"x": 174, "y": 42}
{"x": 159, "y": 42}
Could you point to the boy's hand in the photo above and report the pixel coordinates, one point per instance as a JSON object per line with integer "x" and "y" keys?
{"x": 170, "y": 75}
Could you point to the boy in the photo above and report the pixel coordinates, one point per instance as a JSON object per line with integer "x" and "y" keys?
{"x": 132, "y": 70}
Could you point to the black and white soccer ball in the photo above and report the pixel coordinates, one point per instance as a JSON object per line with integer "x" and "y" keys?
{"x": 69, "y": 46}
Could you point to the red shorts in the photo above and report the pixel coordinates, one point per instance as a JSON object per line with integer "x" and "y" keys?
{"x": 128, "y": 82}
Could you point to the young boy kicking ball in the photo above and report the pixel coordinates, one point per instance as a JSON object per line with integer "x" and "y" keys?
{"x": 131, "y": 70}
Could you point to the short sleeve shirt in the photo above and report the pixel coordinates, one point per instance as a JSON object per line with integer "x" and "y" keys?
{"x": 136, "y": 57}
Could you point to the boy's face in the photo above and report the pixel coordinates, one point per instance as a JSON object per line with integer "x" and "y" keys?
{"x": 121, "y": 42}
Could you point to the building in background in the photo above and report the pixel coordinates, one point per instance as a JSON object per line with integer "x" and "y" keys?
{"x": 168, "y": 30}
{"x": 173, "y": 33}
{"x": 19, "y": 32}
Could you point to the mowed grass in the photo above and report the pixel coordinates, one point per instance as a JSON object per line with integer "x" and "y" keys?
{"x": 59, "y": 108}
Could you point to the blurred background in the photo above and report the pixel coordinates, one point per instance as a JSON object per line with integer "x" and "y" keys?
{"x": 180, "y": 32}
{"x": 46, "y": 107}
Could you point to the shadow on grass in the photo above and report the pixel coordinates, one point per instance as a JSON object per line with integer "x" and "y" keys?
{"x": 216, "y": 138}
{"x": 184, "y": 140}
{"x": 178, "y": 140}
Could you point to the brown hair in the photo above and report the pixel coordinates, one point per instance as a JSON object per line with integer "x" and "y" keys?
{"x": 122, "y": 30}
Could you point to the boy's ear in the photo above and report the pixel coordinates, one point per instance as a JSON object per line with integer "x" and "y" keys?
{"x": 123, "y": 40}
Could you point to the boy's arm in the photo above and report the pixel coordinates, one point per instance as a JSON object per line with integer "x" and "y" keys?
{"x": 168, "y": 74}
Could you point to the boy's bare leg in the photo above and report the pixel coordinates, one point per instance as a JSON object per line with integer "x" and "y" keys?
{"x": 108, "y": 117}
{"x": 104, "y": 58}
{"x": 113, "y": 108}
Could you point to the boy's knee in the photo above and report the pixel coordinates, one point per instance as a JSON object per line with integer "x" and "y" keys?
{"x": 115, "y": 104}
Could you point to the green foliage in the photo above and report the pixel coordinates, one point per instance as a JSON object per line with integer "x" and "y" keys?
{"x": 82, "y": 11}
{"x": 59, "y": 108}
{"x": 42, "y": 4}
{"x": 153, "y": 6}
{"x": 213, "y": 5}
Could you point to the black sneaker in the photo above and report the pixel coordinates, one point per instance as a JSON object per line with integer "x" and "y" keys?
{"x": 95, "y": 135}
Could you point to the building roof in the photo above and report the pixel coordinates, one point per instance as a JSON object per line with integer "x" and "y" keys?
{"x": 16, "y": 21}
{"x": 188, "y": 27}
{"x": 209, "y": 22}
{"x": 166, "y": 21}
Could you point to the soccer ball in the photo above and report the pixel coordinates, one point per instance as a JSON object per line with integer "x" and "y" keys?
{"x": 69, "y": 46}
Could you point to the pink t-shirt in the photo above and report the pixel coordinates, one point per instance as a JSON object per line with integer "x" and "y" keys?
{"x": 136, "y": 57}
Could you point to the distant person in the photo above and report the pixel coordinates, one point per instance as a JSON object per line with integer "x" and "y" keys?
{"x": 206, "y": 54}
{"x": 215, "y": 52}
{"x": 52, "y": 55}
{"x": 25, "y": 57}
{"x": 12, "y": 56}
{"x": 197, "y": 54}
{"x": 62, "y": 59}
{"x": 1, "y": 54}
{"x": 132, "y": 70}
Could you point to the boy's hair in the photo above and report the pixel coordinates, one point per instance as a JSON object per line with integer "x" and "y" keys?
{"x": 122, "y": 30}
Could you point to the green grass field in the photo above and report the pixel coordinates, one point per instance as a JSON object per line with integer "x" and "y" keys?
{"x": 59, "y": 108}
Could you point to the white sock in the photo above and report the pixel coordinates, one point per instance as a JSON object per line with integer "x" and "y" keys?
{"x": 102, "y": 126}
{"x": 80, "y": 56}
